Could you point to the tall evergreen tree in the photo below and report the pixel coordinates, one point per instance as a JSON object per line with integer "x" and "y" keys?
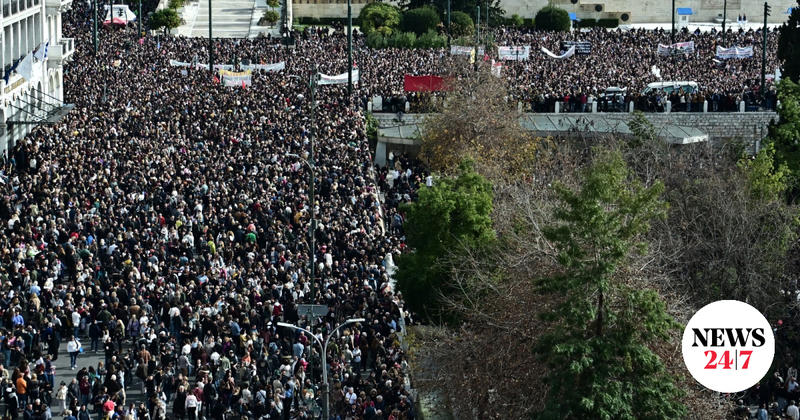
{"x": 789, "y": 45}
{"x": 783, "y": 136}
{"x": 599, "y": 352}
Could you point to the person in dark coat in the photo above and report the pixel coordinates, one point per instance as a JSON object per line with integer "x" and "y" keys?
{"x": 179, "y": 405}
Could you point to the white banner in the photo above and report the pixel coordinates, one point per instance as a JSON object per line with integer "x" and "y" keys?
{"x": 734, "y": 52}
{"x": 463, "y": 50}
{"x": 497, "y": 67}
{"x": 570, "y": 52}
{"x": 203, "y": 66}
{"x": 677, "y": 48}
{"x": 266, "y": 67}
{"x": 236, "y": 79}
{"x": 122, "y": 14}
{"x": 338, "y": 79}
{"x": 514, "y": 53}
{"x": 460, "y": 50}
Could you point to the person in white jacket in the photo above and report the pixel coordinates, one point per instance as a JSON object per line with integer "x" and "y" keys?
{"x": 73, "y": 348}
{"x": 191, "y": 406}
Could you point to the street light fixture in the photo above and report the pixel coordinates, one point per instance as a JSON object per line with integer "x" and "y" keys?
{"x": 324, "y": 347}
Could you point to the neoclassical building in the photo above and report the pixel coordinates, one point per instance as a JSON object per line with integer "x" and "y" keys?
{"x": 32, "y": 63}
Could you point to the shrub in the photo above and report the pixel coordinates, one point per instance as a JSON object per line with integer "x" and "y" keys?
{"x": 403, "y": 40}
{"x": 587, "y": 23}
{"x": 375, "y": 39}
{"x": 516, "y": 20}
{"x": 608, "y": 23}
{"x": 271, "y": 16}
{"x": 380, "y": 17}
{"x": 552, "y": 19}
{"x": 529, "y": 23}
{"x": 273, "y": 3}
{"x": 461, "y": 24}
{"x": 175, "y": 4}
{"x": 431, "y": 39}
{"x": 420, "y": 20}
{"x": 308, "y": 20}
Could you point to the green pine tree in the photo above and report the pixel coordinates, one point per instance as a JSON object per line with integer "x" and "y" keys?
{"x": 599, "y": 352}
{"x": 789, "y": 45}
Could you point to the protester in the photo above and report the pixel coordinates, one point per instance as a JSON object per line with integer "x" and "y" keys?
{"x": 168, "y": 218}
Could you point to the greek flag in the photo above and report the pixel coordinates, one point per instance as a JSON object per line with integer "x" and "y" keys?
{"x": 41, "y": 52}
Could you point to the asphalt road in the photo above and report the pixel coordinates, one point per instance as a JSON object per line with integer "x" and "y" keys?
{"x": 86, "y": 359}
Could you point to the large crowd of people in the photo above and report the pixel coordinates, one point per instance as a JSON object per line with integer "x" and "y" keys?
{"x": 165, "y": 223}
{"x": 625, "y": 59}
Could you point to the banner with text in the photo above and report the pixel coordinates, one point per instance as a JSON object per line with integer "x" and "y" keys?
{"x": 266, "y": 67}
{"x": 236, "y": 79}
{"x": 581, "y": 47}
{"x": 338, "y": 79}
{"x": 734, "y": 52}
{"x": 463, "y": 50}
{"x": 677, "y": 48}
{"x": 497, "y": 67}
{"x": 460, "y": 50}
{"x": 514, "y": 52}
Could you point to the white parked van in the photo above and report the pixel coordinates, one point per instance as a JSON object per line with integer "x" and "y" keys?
{"x": 668, "y": 87}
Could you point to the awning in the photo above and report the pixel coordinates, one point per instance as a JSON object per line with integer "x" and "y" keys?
{"x": 573, "y": 16}
{"x": 683, "y": 11}
{"x": 41, "y": 112}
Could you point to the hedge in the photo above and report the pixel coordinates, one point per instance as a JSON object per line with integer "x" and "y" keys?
{"x": 602, "y": 23}
{"x": 608, "y": 23}
{"x": 308, "y": 20}
{"x": 430, "y": 39}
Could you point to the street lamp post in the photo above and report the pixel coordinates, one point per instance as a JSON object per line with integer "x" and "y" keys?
{"x": 324, "y": 347}
{"x": 139, "y": 19}
{"x": 210, "y": 41}
{"x": 94, "y": 31}
{"x": 448, "y": 16}
{"x": 478, "y": 26}
{"x": 764, "y": 34}
{"x": 724, "y": 17}
{"x": 672, "y": 33}
{"x": 349, "y": 51}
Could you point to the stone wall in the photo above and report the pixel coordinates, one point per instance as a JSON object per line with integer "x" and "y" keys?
{"x": 748, "y": 126}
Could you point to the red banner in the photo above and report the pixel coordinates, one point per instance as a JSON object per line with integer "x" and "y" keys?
{"x": 423, "y": 83}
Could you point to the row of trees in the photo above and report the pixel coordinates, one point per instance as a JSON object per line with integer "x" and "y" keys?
{"x": 560, "y": 271}
{"x": 385, "y": 22}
